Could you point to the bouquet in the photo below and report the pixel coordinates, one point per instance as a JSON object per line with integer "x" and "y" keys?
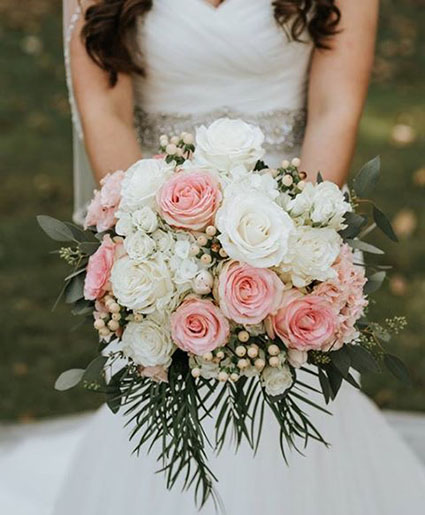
{"x": 217, "y": 285}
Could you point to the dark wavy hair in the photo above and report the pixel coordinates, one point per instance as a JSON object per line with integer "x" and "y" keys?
{"x": 109, "y": 25}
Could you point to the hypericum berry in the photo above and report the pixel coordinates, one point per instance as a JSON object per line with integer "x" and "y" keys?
{"x": 219, "y": 354}
{"x": 196, "y": 372}
{"x": 99, "y": 324}
{"x": 234, "y": 377}
{"x": 116, "y": 316}
{"x": 274, "y": 361}
{"x": 114, "y": 307}
{"x": 253, "y": 352}
{"x": 296, "y": 162}
{"x": 138, "y": 317}
{"x": 175, "y": 140}
{"x": 240, "y": 351}
{"x": 171, "y": 149}
{"x": 273, "y": 350}
{"x": 194, "y": 249}
{"x": 243, "y": 363}
{"x": 223, "y": 376}
{"x": 113, "y": 325}
{"x": 287, "y": 180}
{"x": 222, "y": 253}
{"x": 202, "y": 240}
{"x": 206, "y": 259}
{"x": 243, "y": 336}
{"x": 188, "y": 139}
{"x": 285, "y": 163}
{"x": 208, "y": 356}
{"x": 259, "y": 364}
{"x": 301, "y": 185}
{"x": 211, "y": 230}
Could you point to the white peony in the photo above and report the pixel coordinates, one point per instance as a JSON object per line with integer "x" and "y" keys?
{"x": 139, "y": 246}
{"x": 145, "y": 219}
{"x": 321, "y": 204}
{"x": 142, "y": 182}
{"x": 148, "y": 343}
{"x": 144, "y": 286}
{"x": 227, "y": 143}
{"x": 276, "y": 380}
{"x": 313, "y": 252}
{"x": 254, "y": 229}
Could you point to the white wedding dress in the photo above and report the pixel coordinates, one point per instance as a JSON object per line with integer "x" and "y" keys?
{"x": 203, "y": 63}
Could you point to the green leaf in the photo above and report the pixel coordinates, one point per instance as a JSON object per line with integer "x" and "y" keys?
{"x": 354, "y": 223}
{"x": 55, "y": 229}
{"x": 88, "y": 247}
{"x": 365, "y": 247}
{"x": 397, "y": 368}
{"x": 341, "y": 360}
{"x": 80, "y": 234}
{"x": 326, "y": 387}
{"x": 384, "y": 224}
{"x": 94, "y": 372}
{"x": 366, "y": 180}
{"x": 82, "y": 307}
{"x": 374, "y": 282}
{"x": 69, "y": 379}
{"x": 350, "y": 379}
{"x": 319, "y": 178}
{"x": 74, "y": 290}
{"x": 335, "y": 380}
{"x": 361, "y": 359}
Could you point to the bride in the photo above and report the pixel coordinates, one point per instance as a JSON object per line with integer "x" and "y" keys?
{"x": 140, "y": 68}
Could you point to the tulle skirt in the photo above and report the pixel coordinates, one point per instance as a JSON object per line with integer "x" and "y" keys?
{"x": 367, "y": 470}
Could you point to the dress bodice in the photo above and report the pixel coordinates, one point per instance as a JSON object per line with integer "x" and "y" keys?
{"x": 203, "y": 62}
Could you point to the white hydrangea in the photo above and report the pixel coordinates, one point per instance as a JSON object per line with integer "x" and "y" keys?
{"x": 139, "y": 246}
{"x": 252, "y": 182}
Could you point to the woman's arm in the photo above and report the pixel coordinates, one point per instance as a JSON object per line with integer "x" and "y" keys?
{"x": 106, "y": 113}
{"x": 339, "y": 80}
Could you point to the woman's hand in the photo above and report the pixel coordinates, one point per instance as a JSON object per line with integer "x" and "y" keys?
{"x": 106, "y": 113}
{"x": 339, "y": 80}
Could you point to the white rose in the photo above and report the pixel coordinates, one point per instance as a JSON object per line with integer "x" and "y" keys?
{"x": 139, "y": 246}
{"x": 148, "y": 343}
{"x": 142, "y": 182}
{"x": 313, "y": 252}
{"x": 276, "y": 380}
{"x": 329, "y": 206}
{"x": 254, "y": 229}
{"x": 297, "y": 358}
{"x": 144, "y": 286}
{"x": 227, "y": 143}
{"x": 145, "y": 219}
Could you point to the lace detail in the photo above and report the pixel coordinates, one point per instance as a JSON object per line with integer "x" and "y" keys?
{"x": 283, "y": 128}
{"x": 74, "y": 110}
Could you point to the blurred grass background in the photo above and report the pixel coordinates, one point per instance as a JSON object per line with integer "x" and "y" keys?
{"x": 35, "y": 165}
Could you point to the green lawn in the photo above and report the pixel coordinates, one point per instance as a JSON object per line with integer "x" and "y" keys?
{"x": 35, "y": 165}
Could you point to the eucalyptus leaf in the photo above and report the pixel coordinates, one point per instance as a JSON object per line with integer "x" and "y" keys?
{"x": 363, "y": 246}
{"x": 384, "y": 224}
{"x": 354, "y": 223}
{"x": 94, "y": 372}
{"x": 82, "y": 307}
{"x": 397, "y": 368}
{"x": 69, "y": 379}
{"x": 88, "y": 247}
{"x": 374, "y": 282}
{"x": 361, "y": 359}
{"x": 366, "y": 180}
{"x": 81, "y": 234}
{"x": 341, "y": 360}
{"x": 55, "y": 229}
{"x": 74, "y": 290}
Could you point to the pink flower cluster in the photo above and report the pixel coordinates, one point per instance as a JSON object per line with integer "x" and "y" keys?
{"x": 102, "y": 209}
{"x": 345, "y": 293}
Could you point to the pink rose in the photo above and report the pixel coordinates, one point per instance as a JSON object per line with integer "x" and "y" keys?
{"x": 198, "y": 326}
{"x": 189, "y": 200}
{"x": 99, "y": 269}
{"x": 248, "y": 294}
{"x": 305, "y": 322}
{"x": 102, "y": 209}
